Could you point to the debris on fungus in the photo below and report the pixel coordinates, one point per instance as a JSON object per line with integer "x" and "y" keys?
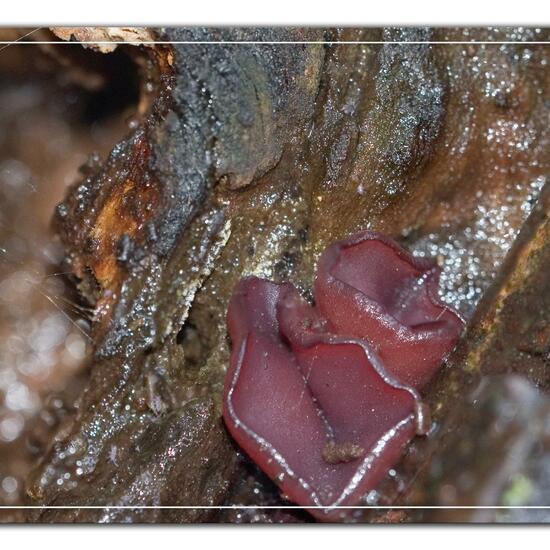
{"x": 325, "y": 398}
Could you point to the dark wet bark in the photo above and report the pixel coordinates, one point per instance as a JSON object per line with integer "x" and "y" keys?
{"x": 498, "y": 458}
{"x": 251, "y": 159}
{"x": 493, "y": 439}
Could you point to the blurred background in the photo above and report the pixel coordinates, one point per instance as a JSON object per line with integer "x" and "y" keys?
{"x": 55, "y": 119}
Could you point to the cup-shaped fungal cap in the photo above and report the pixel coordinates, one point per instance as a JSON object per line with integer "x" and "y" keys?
{"x": 315, "y": 411}
{"x": 323, "y": 397}
{"x": 369, "y": 287}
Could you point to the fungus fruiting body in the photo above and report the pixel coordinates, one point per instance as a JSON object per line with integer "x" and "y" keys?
{"x": 325, "y": 398}
{"x": 370, "y": 287}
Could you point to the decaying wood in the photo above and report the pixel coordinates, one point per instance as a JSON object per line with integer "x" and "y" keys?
{"x": 251, "y": 159}
{"x": 103, "y": 35}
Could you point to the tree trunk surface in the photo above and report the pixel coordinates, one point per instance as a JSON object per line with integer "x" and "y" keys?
{"x": 250, "y": 159}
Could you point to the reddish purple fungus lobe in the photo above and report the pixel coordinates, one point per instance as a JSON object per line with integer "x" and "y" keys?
{"x": 371, "y": 288}
{"x": 317, "y": 396}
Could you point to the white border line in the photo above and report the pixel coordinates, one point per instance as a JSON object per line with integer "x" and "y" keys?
{"x": 281, "y": 507}
{"x": 282, "y": 42}
{"x": 252, "y": 507}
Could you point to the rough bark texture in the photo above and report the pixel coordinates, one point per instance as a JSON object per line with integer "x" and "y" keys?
{"x": 251, "y": 159}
